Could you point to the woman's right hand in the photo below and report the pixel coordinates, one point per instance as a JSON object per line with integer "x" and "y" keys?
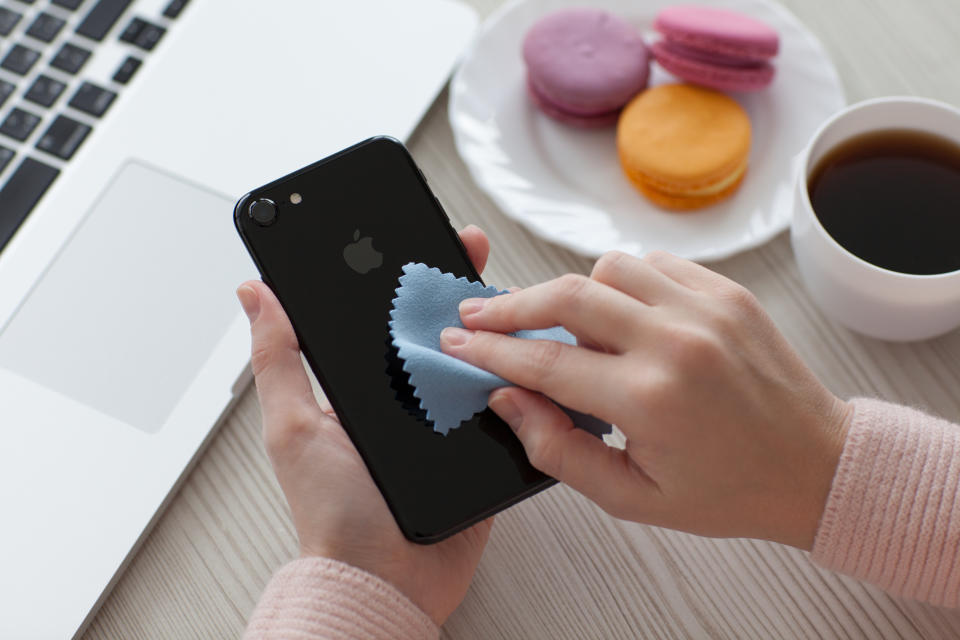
{"x": 728, "y": 433}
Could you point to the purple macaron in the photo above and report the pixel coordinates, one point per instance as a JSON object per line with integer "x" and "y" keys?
{"x": 716, "y": 48}
{"x": 584, "y": 65}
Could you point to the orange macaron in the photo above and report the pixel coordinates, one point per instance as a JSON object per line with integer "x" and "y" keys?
{"x": 684, "y": 147}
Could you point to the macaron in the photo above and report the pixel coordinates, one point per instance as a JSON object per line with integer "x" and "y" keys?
{"x": 583, "y": 65}
{"x": 716, "y": 48}
{"x": 684, "y": 147}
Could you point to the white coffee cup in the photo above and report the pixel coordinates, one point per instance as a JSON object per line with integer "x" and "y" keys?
{"x": 870, "y": 299}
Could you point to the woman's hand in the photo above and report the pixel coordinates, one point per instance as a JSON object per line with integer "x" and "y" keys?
{"x": 337, "y": 510}
{"x": 728, "y": 433}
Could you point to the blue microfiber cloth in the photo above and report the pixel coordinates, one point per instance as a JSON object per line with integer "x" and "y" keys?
{"x": 450, "y": 390}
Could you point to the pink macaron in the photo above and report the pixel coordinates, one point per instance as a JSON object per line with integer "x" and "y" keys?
{"x": 716, "y": 48}
{"x": 584, "y": 65}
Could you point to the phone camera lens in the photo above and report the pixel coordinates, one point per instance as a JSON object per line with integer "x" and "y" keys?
{"x": 264, "y": 212}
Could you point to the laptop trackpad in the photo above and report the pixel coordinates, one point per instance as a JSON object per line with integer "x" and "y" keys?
{"x": 135, "y": 302}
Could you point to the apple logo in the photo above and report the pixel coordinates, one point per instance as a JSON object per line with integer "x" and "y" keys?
{"x": 360, "y": 254}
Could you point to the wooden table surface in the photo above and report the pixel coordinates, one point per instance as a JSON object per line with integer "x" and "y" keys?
{"x": 556, "y": 566}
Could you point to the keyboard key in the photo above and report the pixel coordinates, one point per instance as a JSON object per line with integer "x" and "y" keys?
{"x": 63, "y": 137}
{"x": 133, "y": 30}
{"x": 149, "y": 36}
{"x": 28, "y": 1}
{"x": 20, "y": 59}
{"x": 142, "y": 34}
{"x": 70, "y": 58}
{"x": 8, "y": 20}
{"x": 68, "y": 4}
{"x": 45, "y": 27}
{"x": 6, "y": 155}
{"x": 21, "y": 193}
{"x": 6, "y": 90}
{"x": 126, "y": 70}
{"x": 92, "y": 99}
{"x": 174, "y": 8}
{"x": 102, "y": 17}
{"x": 45, "y": 90}
{"x": 19, "y": 124}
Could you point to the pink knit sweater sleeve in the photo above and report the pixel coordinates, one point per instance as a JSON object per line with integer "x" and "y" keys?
{"x": 322, "y": 599}
{"x": 893, "y": 513}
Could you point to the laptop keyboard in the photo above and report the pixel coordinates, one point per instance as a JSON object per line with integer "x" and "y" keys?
{"x": 47, "y": 106}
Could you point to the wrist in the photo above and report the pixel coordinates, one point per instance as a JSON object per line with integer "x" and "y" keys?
{"x": 830, "y": 434}
{"x": 356, "y": 558}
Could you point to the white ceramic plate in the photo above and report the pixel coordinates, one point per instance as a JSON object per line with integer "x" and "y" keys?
{"x": 565, "y": 184}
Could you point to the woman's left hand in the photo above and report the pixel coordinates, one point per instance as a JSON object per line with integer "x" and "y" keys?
{"x": 337, "y": 510}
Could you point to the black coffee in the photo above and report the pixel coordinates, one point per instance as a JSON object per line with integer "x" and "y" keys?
{"x": 892, "y": 198}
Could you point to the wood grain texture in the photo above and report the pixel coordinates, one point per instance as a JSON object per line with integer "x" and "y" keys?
{"x": 557, "y": 567}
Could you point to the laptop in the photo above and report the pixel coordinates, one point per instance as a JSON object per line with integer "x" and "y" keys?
{"x": 128, "y": 129}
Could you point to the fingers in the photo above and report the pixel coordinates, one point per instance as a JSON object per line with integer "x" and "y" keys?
{"x": 688, "y": 273}
{"x": 282, "y": 382}
{"x": 601, "y": 473}
{"x": 636, "y": 278}
{"x": 579, "y": 378}
{"x": 590, "y": 310}
{"x": 477, "y": 244}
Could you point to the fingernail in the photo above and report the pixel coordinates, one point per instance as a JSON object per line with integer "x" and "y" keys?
{"x": 471, "y": 306}
{"x": 455, "y": 336}
{"x": 250, "y": 302}
{"x": 507, "y": 409}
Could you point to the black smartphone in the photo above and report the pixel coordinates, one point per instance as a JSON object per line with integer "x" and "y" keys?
{"x": 330, "y": 240}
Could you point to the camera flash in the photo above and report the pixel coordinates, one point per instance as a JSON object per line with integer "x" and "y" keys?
{"x": 296, "y": 198}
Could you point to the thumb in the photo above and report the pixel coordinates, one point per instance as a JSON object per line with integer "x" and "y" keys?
{"x": 604, "y": 474}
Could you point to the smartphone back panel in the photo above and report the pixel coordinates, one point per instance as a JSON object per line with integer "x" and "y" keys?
{"x": 334, "y": 260}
